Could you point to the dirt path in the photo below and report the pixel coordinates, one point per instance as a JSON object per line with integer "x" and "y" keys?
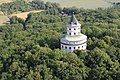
{"x": 23, "y": 15}
{"x": 4, "y": 20}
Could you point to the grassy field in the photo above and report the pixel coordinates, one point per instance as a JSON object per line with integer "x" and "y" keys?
{"x": 23, "y": 15}
{"x": 87, "y": 4}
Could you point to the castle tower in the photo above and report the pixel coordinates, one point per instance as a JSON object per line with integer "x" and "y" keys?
{"x": 73, "y": 39}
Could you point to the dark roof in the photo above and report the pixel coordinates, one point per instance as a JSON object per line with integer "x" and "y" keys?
{"x": 73, "y": 20}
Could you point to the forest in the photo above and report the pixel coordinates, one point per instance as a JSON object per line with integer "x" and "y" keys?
{"x": 30, "y": 49}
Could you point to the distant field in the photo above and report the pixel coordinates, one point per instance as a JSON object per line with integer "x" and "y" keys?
{"x": 5, "y": 1}
{"x": 23, "y": 15}
{"x": 87, "y": 4}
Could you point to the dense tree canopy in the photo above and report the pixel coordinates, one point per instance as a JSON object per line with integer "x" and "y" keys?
{"x": 29, "y": 49}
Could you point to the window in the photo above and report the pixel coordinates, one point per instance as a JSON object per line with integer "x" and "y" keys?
{"x": 62, "y": 46}
{"x": 78, "y": 47}
{"x": 74, "y": 47}
{"x": 69, "y": 28}
{"x": 82, "y": 46}
{"x": 69, "y": 33}
{"x": 69, "y": 47}
{"x": 74, "y": 28}
{"x": 75, "y": 23}
{"x": 65, "y": 47}
{"x": 74, "y": 33}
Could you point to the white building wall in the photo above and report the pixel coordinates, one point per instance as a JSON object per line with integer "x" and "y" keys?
{"x": 77, "y": 42}
{"x": 73, "y": 29}
{"x": 72, "y": 48}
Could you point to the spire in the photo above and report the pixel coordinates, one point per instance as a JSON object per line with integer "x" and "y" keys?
{"x": 73, "y": 19}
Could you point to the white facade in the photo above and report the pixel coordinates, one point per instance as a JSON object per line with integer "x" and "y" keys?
{"x": 73, "y": 39}
{"x": 73, "y": 29}
{"x": 70, "y": 48}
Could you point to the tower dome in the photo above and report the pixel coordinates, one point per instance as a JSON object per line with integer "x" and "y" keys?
{"x": 73, "y": 39}
{"x": 73, "y": 20}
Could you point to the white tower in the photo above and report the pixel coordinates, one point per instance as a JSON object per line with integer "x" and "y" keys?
{"x": 73, "y": 39}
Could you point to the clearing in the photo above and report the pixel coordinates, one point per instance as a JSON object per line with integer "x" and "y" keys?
{"x": 23, "y": 15}
{"x": 3, "y": 19}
